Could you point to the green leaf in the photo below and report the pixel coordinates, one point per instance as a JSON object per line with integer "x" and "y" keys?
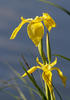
{"x": 57, "y": 6}
{"x": 9, "y": 93}
{"x": 58, "y": 93}
{"x": 63, "y": 57}
{"x": 23, "y": 80}
{"x": 31, "y": 89}
{"x": 8, "y": 85}
{"x": 26, "y": 85}
{"x": 34, "y": 82}
{"x": 27, "y": 65}
{"x": 22, "y": 96}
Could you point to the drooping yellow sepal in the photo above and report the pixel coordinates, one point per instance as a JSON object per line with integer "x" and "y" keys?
{"x": 31, "y": 70}
{"x": 63, "y": 78}
{"x": 47, "y": 77}
{"x": 35, "y": 32}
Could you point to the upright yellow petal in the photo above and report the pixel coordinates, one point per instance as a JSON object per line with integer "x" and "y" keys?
{"x": 35, "y": 32}
{"x": 38, "y": 62}
{"x": 17, "y": 29}
{"x": 54, "y": 62}
{"x": 63, "y": 78}
{"x": 48, "y": 21}
{"x": 31, "y": 70}
{"x": 38, "y": 19}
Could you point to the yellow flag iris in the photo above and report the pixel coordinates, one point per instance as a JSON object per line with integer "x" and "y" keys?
{"x": 35, "y": 28}
{"x": 47, "y": 73}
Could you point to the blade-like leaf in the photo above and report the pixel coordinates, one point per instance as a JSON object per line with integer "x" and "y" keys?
{"x": 22, "y": 96}
{"x": 23, "y": 80}
{"x": 34, "y": 82}
{"x": 58, "y": 93}
{"x": 27, "y": 65}
{"x": 42, "y": 95}
{"x": 9, "y": 93}
{"x": 57, "y": 6}
{"x": 26, "y": 85}
{"x": 63, "y": 57}
{"x": 4, "y": 87}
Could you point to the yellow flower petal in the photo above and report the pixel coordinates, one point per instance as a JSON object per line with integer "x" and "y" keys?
{"x": 37, "y": 60}
{"x": 54, "y": 62}
{"x": 35, "y": 32}
{"x": 17, "y": 29}
{"x": 63, "y": 78}
{"x": 47, "y": 77}
{"x": 38, "y": 19}
{"x": 47, "y": 67}
{"x": 31, "y": 70}
{"x": 48, "y": 21}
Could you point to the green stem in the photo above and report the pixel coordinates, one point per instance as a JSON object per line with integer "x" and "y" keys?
{"x": 40, "y": 49}
{"x": 48, "y": 48}
{"x": 51, "y": 96}
{"x": 48, "y": 96}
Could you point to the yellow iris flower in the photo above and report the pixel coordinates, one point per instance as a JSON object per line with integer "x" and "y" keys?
{"x": 47, "y": 73}
{"x": 35, "y": 28}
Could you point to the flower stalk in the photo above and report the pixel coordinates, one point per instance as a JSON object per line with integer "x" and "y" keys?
{"x": 48, "y": 48}
{"x": 41, "y": 52}
{"x": 40, "y": 49}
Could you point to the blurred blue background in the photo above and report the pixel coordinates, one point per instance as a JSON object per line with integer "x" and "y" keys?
{"x": 11, "y": 50}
